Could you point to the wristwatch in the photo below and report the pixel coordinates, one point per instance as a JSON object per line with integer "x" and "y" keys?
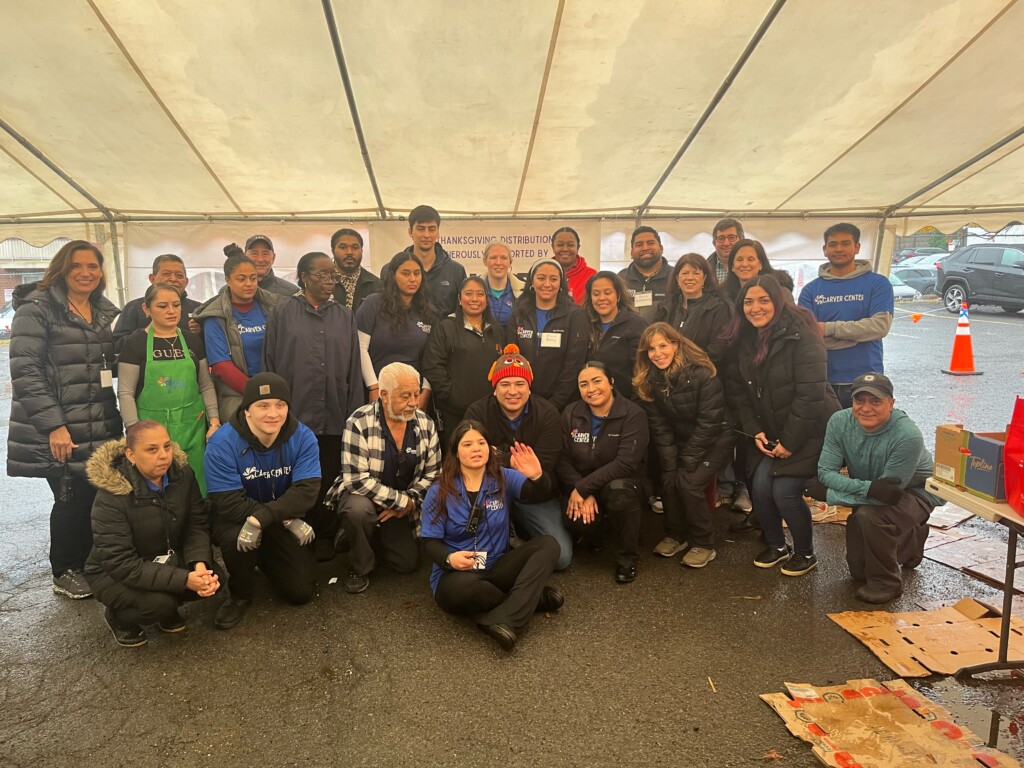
{"x": 448, "y": 560}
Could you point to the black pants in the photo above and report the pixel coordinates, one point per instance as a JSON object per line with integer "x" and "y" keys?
{"x": 618, "y": 514}
{"x": 324, "y": 520}
{"x": 290, "y": 567}
{"x": 71, "y": 526}
{"x": 881, "y": 539}
{"x": 506, "y": 594}
{"x": 139, "y": 606}
{"x": 687, "y": 514}
{"x": 393, "y": 541}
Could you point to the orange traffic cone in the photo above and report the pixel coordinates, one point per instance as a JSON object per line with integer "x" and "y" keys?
{"x": 962, "y": 362}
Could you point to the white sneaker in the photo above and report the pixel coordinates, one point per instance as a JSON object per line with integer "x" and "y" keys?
{"x": 656, "y": 506}
{"x": 742, "y": 501}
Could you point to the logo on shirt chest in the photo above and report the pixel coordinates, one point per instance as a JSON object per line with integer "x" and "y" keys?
{"x": 493, "y": 505}
{"x": 423, "y": 326}
{"x": 524, "y": 333}
{"x": 579, "y": 437}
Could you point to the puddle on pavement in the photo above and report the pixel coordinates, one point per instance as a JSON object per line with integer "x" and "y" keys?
{"x": 1000, "y": 727}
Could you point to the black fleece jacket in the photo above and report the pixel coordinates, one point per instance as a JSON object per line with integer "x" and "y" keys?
{"x": 589, "y": 463}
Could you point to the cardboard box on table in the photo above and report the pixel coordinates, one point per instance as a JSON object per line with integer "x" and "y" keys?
{"x": 984, "y": 468}
{"x": 950, "y": 456}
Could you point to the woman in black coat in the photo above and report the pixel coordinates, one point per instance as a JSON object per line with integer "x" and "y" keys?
{"x": 780, "y": 395}
{"x": 615, "y": 327}
{"x": 694, "y": 307}
{"x": 551, "y": 332}
{"x": 459, "y": 354}
{"x": 64, "y": 405}
{"x": 747, "y": 260}
{"x": 605, "y": 444}
{"x": 151, "y": 538}
{"x": 691, "y": 429}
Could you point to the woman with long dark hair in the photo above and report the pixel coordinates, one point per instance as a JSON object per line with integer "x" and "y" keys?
{"x": 234, "y": 327}
{"x": 63, "y": 406}
{"x": 163, "y": 375}
{"x": 694, "y": 307}
{"x": 605, "y": 441}
{"x": 312, "y": 344}
{"x": 395, "y": 323}
{"x": 747, "y": 260}
{"x": 685, "y": 403}
{"x": 780, "y": 396}
{"x": 466, "y": 533}
{"x": 459, "y": 354}
{"x": 551, "y": 332}
{"x": 615, "y": 327}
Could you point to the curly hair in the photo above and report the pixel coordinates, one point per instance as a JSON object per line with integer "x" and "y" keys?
{"x": 687, "y": 353}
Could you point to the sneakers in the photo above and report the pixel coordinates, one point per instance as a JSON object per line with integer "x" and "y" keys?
{"x": 742, "y": 501}
{"x": 723, "y": 499}
{"x": 747, "y": 524}
{"x": 656, "y": 505}
{"x": 125, "y": 635}
{"x": 173, "y": 624}
{"x": 72, "y": 584}
{"x": 771, "y": 557}
{"x": 550, "y": 600}
{"x": 798, "y": 565}
{"x": 698, "y": 557}
{"x": 231, "y": 613}
{"x": 624, "y": 574}
{"x": 669, "y": 547}
{"x": 356, "y": 583}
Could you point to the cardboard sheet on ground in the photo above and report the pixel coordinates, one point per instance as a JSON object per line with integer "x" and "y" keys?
{"x": 968, "y": 553}
{"x": 948, "y": 516}
{"x": 922, "y": 643}
{"x": 879, "y": 725}
{"x": 1016, "y": 610}
{"x": 937, "y": 537}
{"x": 995, "y": 572}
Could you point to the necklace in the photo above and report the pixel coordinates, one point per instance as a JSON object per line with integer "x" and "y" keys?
{"x": 78, "y": 311}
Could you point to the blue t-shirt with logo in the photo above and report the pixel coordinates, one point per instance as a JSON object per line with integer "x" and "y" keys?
{"x": 231, "y": 463}
{"x": 252, "y": 327}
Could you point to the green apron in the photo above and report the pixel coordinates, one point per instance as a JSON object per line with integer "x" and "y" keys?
{"x": 170, "y": 395}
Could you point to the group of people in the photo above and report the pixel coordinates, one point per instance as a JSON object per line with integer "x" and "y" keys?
{"x": 491, "y": 423}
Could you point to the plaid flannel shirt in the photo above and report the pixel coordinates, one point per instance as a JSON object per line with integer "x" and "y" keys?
{"x": 362, "y": 460}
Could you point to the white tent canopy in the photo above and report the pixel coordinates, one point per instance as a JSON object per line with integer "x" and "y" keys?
{"x": 169, "y": 109}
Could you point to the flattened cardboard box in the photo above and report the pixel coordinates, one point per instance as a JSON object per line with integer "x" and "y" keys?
{"x": 879, "y": 725}
{"x": 922, "y": 643}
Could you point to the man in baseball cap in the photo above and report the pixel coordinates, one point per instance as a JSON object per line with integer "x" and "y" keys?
{"x": 513, "y": 414}
{"x": 260, "y": 249}
{"x": 263, "y": 476}
{"x": 888, "y": 465}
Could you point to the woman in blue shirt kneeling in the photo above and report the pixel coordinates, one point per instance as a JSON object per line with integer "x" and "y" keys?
{"x": 466, "y": 533}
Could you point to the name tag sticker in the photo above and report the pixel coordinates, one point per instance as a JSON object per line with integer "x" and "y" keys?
{"x": 106, "y": 378}
{"x": 553, "y": 340}
{"x": 643, "y": 299}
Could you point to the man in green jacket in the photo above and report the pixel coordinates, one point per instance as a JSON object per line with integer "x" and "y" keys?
{"x": 888, "y": 465}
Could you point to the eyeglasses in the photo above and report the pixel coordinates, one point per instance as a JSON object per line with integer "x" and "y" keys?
{"x": 727, "y": 238}
{"x": 330, "y": 277}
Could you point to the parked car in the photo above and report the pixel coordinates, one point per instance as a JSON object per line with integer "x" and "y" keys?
{"x": 6, "y": 316}
{"x": 992, "y": 273}
{"x": 903, "y": 292}
{"x": 910, "y": 253}
{"x": 927, "y": 260}
{"x": 919, "y": 276}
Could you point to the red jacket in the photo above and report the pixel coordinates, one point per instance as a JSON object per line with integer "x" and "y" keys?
{"x": 577, "y": 276}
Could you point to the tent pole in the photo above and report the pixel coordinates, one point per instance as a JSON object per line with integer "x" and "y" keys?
{"x": 880, "y": 235}
{"x": 118, "y": 272}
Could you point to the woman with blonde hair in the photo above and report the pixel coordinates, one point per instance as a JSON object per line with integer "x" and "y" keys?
{"x": 690, "y": 428}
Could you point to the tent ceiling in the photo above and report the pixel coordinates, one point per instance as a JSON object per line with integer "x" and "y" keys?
{"x": 173, "y": 108}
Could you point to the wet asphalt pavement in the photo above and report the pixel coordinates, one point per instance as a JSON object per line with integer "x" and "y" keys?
{"x": 619, "y": 677}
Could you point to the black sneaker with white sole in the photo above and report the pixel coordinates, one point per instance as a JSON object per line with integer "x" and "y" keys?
{"x": 798, "y": 565}
{"x": 72, "y": 584}
{"x": 125, "y": 635}
{"x": 771, "y": 557}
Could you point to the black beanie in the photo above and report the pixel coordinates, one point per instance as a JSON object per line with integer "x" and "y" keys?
{"x": 265, "y": 386}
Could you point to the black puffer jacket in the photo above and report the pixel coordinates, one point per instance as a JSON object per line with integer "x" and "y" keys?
{"x": 589, "y": 463}
{"x": 555, "y": 367}
{"x": 688, "y": 419}
{"x": 730, "y": 289}
{"x": 456, "y": 362}
{"x": 132, "y": 524}
{"x": 617, "y": 349}
{"x": 787, "y": 397}
{"x": 56, "y": 364}
{"x": 702, "y": 321}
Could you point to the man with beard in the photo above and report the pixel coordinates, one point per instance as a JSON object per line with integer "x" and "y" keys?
{"x": 389, "y": 457}
{"x": 356, "y": 283}
{"x": 647, "y": 277}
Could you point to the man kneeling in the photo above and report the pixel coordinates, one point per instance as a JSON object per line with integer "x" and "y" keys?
{"x": 888, "y": 465}
{"x": 263, "y": 476}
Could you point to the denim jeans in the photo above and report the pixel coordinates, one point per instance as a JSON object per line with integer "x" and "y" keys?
{"x": 781, "y": 498}
{"x": 544, "y": 518}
